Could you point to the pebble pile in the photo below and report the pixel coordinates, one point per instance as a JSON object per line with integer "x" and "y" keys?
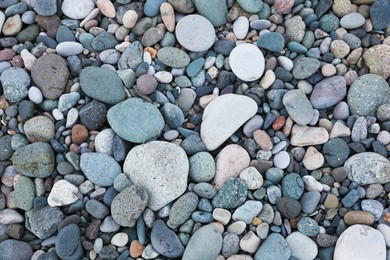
{"x": 195, "y": 129}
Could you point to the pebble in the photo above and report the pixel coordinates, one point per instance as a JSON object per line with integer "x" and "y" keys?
{"x": 230, "y": 162}
{"x": 201, "y": 248}
{"x": 301, "y": 114}
{"x": 221, "y": 121}
{"x": 165, "y": 241}
{"x": 77, "y": 10}
{"x": 167, "y": 185}
{"x": 124, "y": 119}
{"x": 15, "y": 249}
{"x": 352, "y": 21}
{"x": 62, "y": 193}
{"x": 247, "y": 211}
{"x": 15, "y": 83}
{"x": 247, "y": 62}
{"x": 39, "y": 129}
{"x": 271, "y": 41}
{"x": 182, "y": 209}
{"x": 43, "y": 221}
{"x": 215, "y": 11}
{"x": 195, "y": 33}
{"x": 378, "y": 14}
{"x": 305, "y": 67}
{"x": 328, "y": 92}
{"x": 202, "y": 167}
{"x": 130, "y": 18}
{"x": 281, "y": 160}
{"x": 231, "y": 195}
{"x": 99, "y": 168}
{"x": 313, "y": 159}
{"x": 24, "y": 193}
{"x": 274, "y": 247}
{"x": 288, "y": 207}
{"x": 306, "y": 136}
{"x": 68, "y": 244}
{"x": 241, "y": 27}
{"x": 301, "y": 246}
{"x": 128, "y": 205}
{"x": 252, "y": 177}
{"x": 358, "y": 217}
{"x": 355, "y": 241}
{"x": 173, "y": 57}
{"x": 68, "y": 48}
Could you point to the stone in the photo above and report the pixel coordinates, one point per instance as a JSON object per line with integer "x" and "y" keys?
{"x": 282, "y": 160}
{"x": 182, "y": 209}
{"x": 368, "y": 168}
{"x": 165, "y": 241}
{"x": 251, "y": 6}
{"x": 34, "y": 160}
{"x": 241, "y": 27}
{"x": 310, "y": 200}
{"x": 223, "y": 116}
{"x": 272, "y": 41}
{"x": 6, "y": 147}
{"x": 68, "y": 245}
{"x": 231, "y": 195}
{"x": 14, "y": 249}
{"x": 308, "y": 227}
{"x": 301, "y": 246}
{"x": 360, "y": 241}
{"x": 214, "y": 11}
{"x": 173, "y": 57}
{"x": 328, "y": 92}
{"x": 313, "y": 159}
{"x": 195, "y": 33}
{"x": 288, "y": 207}
{"x": 247, "y": 211}
{"x": 166, "y": 178}
{"x": 12, "y": 25}
{"x": 168, "y": 16}
{"x": 252, "y": 177}
{"x": 77, "y": 9}
{"x": 352, "y": 21}
{"x": 359, "y": 217}
{"x": 378, "y": 14}
{"x": 377, "y": 59}
{"x": 205, "y": 243}
{"x": 10, "y": 216}
{"x": 339, "y": 48}
{"x": 230, "y": 162}
{"x": 128, "y": 205}
{"x": 295, "y": 28}
{"x": 202, "y": 167}
{"x": 306, "y": 136}
{"x": 99, "y": 168}
{"x": 24, "y": 193}
{"x": 247, "y": 62}
{"x": 106, "y": 7}
{"x": 262, "y": 139}
{"x": 43, "y": 221}
{"x": 102, "y": 84}
{"x": 305, "y": 67}
{"x": 298, "y": 106}
{"x": 93, "y": 115}
{"x": 274, "y": 247}
{"x": 336, "y": 152}
{"x": 67, "y": 49}
{"x": 15, "y": 82}
{"x": 250, "y": 242}
{"x": 50, "y": 74}
{"x": 39, "y": 129}
{"x": 292, "y": 186}
{"x": 135, "y": 120}
{"x": 146, "y": 84}
{"x": 173, "y": 115}
{"x": 63, "y": 193}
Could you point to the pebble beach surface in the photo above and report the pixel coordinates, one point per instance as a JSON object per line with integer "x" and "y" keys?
{"x": 194, "y": 129}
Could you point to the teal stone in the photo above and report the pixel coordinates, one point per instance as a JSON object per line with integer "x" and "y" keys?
{"x": 128, "y": 77}
{"x": 274, "y": 247}
{"x": 202, "y": 167}
{"x": 251, "y": 6}
{"x": 215, "y": 11}
{"x": 104, "y": 41}
{"x": 34, "y": 160}
{"x": 173, "y": 57}
{"x": 19, "y": 8}
{"x": 308, "y": 227}
{"x": 102, "y": 84}
{"x": 169, "y": 40}
{"x": 15, "y": 82}
{"x": 24, "y": 193}
{"x": 367, "y": 93}
{"x": 136, "y": 120}
{"x": 231, "y": 195}
{"x": 296, "y": 47}
{"x": 86, "y": 40}
{"x": 305, "y": 67}
{"x": 271, "y": 41}
{"x": 292, "y": 186}
{"x": 194, "y": 67}
{"x": 329, "y": 23}
{"x": 265, "y": 12}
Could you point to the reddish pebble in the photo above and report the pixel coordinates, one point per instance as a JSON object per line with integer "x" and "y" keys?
{"x": 7, "y": 54}
{"x": 263, "y": 140}
{"x": 279, "y": 123}
{"x": 283, "y": 6}
{"x": 136, "y": 248}
{"x": 17, "y": 61}
{"x": 92, "y": 230}
{"x": 147, "y": 84}
{"x": 79, "y": 134}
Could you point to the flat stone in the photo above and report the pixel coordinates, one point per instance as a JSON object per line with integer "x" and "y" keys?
{"x": 50, "y": 74}
{"x": 359, "y": 217}
{"x": 241, "y": 27}
{"x": 182, "y": 209}
{"x": 214, "y": 11}
{"x": 301, "y": 246}
{"x": 10, "y": 216}
{"x": 106, "y": 7}
{"x": 368, "y": 168}
{"x": 288, "y": 207}
{"x": 230, "y": 162}
{"x": 247, "y": 211}
{"x": 328, "y": 92}
{"x": 165, "y": 241}
{"x": 68, "y": 48}
{"x": 336, "y": 152}
{"x": 271, "y": 41}
{"x": 305, "y": 136}
{"x": 292, "y": 186}
{"x": 195, "y": 33}
{"x": 231, "y": 195}
{"x": 15, "y": 82}
{"x": 135, "y": 120}
{"x": 298, "y": 106}
{"x": 247, "y": 62}
{"x": 305, "y": 67}
{"x": 43, "y": 222}
{"x": 223, "y": 116}
{"x": 77, "y": 9}
{"x": 68, "y": 244}
{"x": 165, "y": 178}
{"x": 14, "y": 249}
{"x": 173, "y": 57}
{"x": 274, "y": 247}
{"x": 205, "y": 243}
{"x": 39, "y": 129}
{"x": 99, "y": 168}
{"x": 352, "y": 21}
{"x": 128, "y": 205}
{"x": 378, "y": 14}
{"x": 24, "y": 193}
{"x": 251, "y": 6}
{"x": 252, "y": 177}
{"x": 360, "y": 241}
{"x": 102, "y": 84}
{"x": 34, "y": 160}
{"x": 63, "y": 193}
{"x": 93, "y": 115}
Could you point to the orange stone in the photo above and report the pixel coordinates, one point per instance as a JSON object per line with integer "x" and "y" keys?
{"x": 136, "y": 248}
{"x": 79, "y": 134}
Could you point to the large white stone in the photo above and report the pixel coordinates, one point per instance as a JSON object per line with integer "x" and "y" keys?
{"x": 223, "y": 116}
{"x": 77, "y": 9}
{"x": 301, "y": 246}
{"x": 195, "y": 33}
{"x": 247, "y": 62}
{"x": 360, "y": 242}
{"x": 161, "y": 168}
{"x": 63, "y": 193}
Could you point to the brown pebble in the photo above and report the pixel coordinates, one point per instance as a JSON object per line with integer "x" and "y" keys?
{"x": 136, "y": 248}
{"x": 279, "y": 123}
{"x": 263, "y": 140}
{"x": 17, "y": 61}
{"x": 92, "y": 230}
{"x": 79, "y": 134}
{"x": 90, "y": 24}
{"x": 359, "y": 217}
